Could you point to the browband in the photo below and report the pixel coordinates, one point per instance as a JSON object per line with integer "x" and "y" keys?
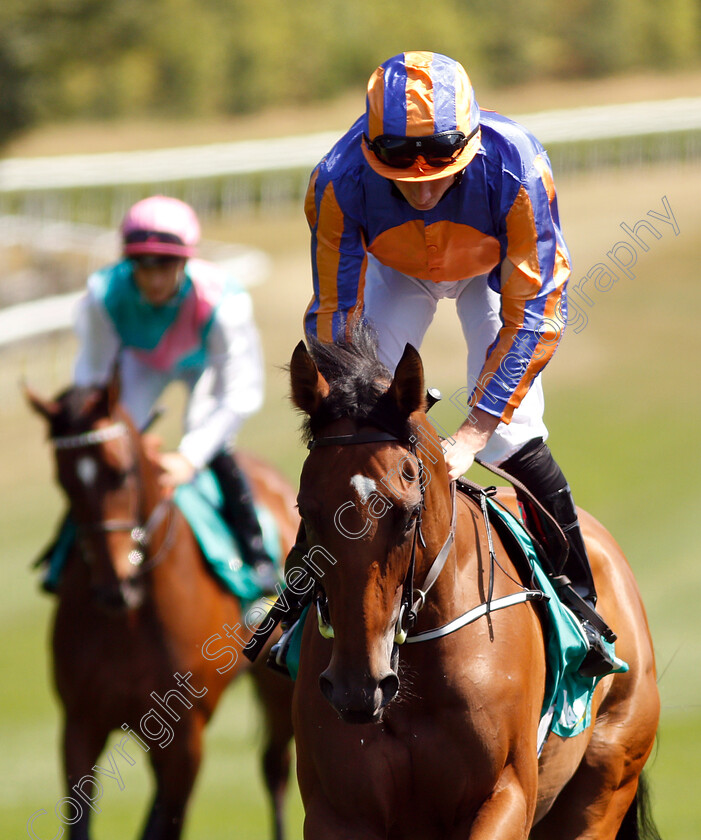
{"x": 358, "y": 437}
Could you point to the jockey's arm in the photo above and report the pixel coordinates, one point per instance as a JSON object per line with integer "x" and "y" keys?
{"x": 176, "y": 469}
{"x": 338, "y": 257}
{"x": 98, "y": 343}
{"x": 233, "y": 390}
{"x": 531, "y": 280}
{"x": 527, "y": 339}
{"x": 468, "y": 440}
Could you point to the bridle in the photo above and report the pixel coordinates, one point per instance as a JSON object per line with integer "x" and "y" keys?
{"x": 141, "y": 531}
{"x": 413, "y": 598}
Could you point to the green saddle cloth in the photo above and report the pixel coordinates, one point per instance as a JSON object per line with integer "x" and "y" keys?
{"x": 567, "y": 703}
{"x": 201, "y": 503}
{"x": 566, "y": 707}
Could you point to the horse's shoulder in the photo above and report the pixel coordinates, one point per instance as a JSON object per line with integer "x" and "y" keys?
{"x": 601, "y": 545}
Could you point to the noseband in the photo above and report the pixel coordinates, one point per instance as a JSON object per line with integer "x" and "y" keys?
{"x": 413, "y": 598}
{"x": 141, "y": 533}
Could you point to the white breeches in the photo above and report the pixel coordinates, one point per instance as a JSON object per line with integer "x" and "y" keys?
{"x": 401, "y": 308}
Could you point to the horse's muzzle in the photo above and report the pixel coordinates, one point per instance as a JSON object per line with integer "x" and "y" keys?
{"x": 363, "y": 703}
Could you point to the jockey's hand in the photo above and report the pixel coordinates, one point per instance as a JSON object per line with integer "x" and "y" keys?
{"x": 176, "y": 469}
{"x": 458, "y": 457}
{"x": 152, "y": 446}
{"x": 470, "y": 438}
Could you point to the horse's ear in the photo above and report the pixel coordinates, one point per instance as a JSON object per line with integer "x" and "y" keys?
{"x": 308, "y": 385}
{"x": 407, "y": 388}
{"x": 46, "y": 408}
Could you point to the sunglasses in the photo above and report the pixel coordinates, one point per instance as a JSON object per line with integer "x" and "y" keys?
{"x": 436, "y": 149}
{"x": 154, "y": 260}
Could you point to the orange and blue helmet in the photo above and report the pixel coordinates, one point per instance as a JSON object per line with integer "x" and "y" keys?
{"x": 421, "y": 118}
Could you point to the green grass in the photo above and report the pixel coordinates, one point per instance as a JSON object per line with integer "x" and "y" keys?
{"x": 623, "y": 409}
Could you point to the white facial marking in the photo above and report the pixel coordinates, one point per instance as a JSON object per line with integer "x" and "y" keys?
{"x": 363, "y": 486}
{"x": 87, "y": 470}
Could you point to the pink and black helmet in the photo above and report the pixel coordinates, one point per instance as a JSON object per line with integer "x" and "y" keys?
{"x": 160, "y": 225}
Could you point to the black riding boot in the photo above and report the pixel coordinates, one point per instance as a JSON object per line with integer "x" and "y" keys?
{"x": 240, "y": 515}
{"x": 534, "y": 466}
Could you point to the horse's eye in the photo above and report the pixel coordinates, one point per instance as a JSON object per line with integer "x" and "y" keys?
{"x": 411, "y": 519}
{"x": 308, "y": 512}
{"x": 118, "y": 478}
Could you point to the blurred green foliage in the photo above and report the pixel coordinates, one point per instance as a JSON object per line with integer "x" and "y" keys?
{"x": 97, "y": 59}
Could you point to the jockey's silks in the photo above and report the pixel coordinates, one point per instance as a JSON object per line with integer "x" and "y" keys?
{"x": 500, "y": 219}
{"x": 171, "y": 336}
{"x": 204, "y": 337}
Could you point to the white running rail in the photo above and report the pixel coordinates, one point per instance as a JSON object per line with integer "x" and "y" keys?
{"x": 303, "y": 152}
{"x": 25, "y": 320}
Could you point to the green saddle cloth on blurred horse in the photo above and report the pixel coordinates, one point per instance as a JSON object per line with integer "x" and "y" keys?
{"x": 201, "y": 503}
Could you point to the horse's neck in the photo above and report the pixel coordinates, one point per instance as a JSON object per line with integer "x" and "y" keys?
{"x": 152, "y": 492}
{"x": 436, "y": 524}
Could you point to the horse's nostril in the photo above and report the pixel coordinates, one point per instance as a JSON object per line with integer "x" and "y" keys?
{"x": 389, "y": 686}
{"x": 326, "y": 687}
{"x": 114, "y": 598}
{"x": 108, "y": 597}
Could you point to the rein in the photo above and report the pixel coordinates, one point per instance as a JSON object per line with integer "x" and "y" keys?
{"x": 413, "y": 598}
{"x": 141, "y": 532}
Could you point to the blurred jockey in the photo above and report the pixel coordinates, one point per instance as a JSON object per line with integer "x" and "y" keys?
{"x": 427, "y": 197}
{"x": 165, "y": 316}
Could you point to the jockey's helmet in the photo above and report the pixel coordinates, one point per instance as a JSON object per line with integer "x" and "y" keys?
{"x": 421, "y": 118}
{"x": 160, "y": 225}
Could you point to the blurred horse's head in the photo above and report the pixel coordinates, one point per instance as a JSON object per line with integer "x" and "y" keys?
{"x": 100, "y": 467}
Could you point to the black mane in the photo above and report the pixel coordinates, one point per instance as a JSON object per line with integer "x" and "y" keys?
{"x": 358, "y": 381}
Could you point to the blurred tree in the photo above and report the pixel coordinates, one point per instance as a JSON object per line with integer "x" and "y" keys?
{"x": 15, "y": 111}
{"x": 66, "y": 59}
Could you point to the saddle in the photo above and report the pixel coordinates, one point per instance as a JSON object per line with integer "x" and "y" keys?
{"x": 550, "y": 542}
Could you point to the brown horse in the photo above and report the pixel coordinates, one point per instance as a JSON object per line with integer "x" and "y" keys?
{"x": 449, "y": 750}
{"x": 139, "y": 641}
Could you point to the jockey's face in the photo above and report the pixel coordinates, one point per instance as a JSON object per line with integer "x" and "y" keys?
{"x": 424, "y": 195}
{"x": 158, "y": 280}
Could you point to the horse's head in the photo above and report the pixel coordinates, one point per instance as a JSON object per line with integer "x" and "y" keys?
{"x": 98, "y": 465}
{"x": 373, "y": 462}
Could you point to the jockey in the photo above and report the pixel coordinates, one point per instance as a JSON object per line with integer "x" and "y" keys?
{"x": 165, "y": 316}
{"x": 427, "y": 197}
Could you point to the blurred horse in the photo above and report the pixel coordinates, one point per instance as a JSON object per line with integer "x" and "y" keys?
{"x": 139, "y": 634}
{"x": 445, "y": 741}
